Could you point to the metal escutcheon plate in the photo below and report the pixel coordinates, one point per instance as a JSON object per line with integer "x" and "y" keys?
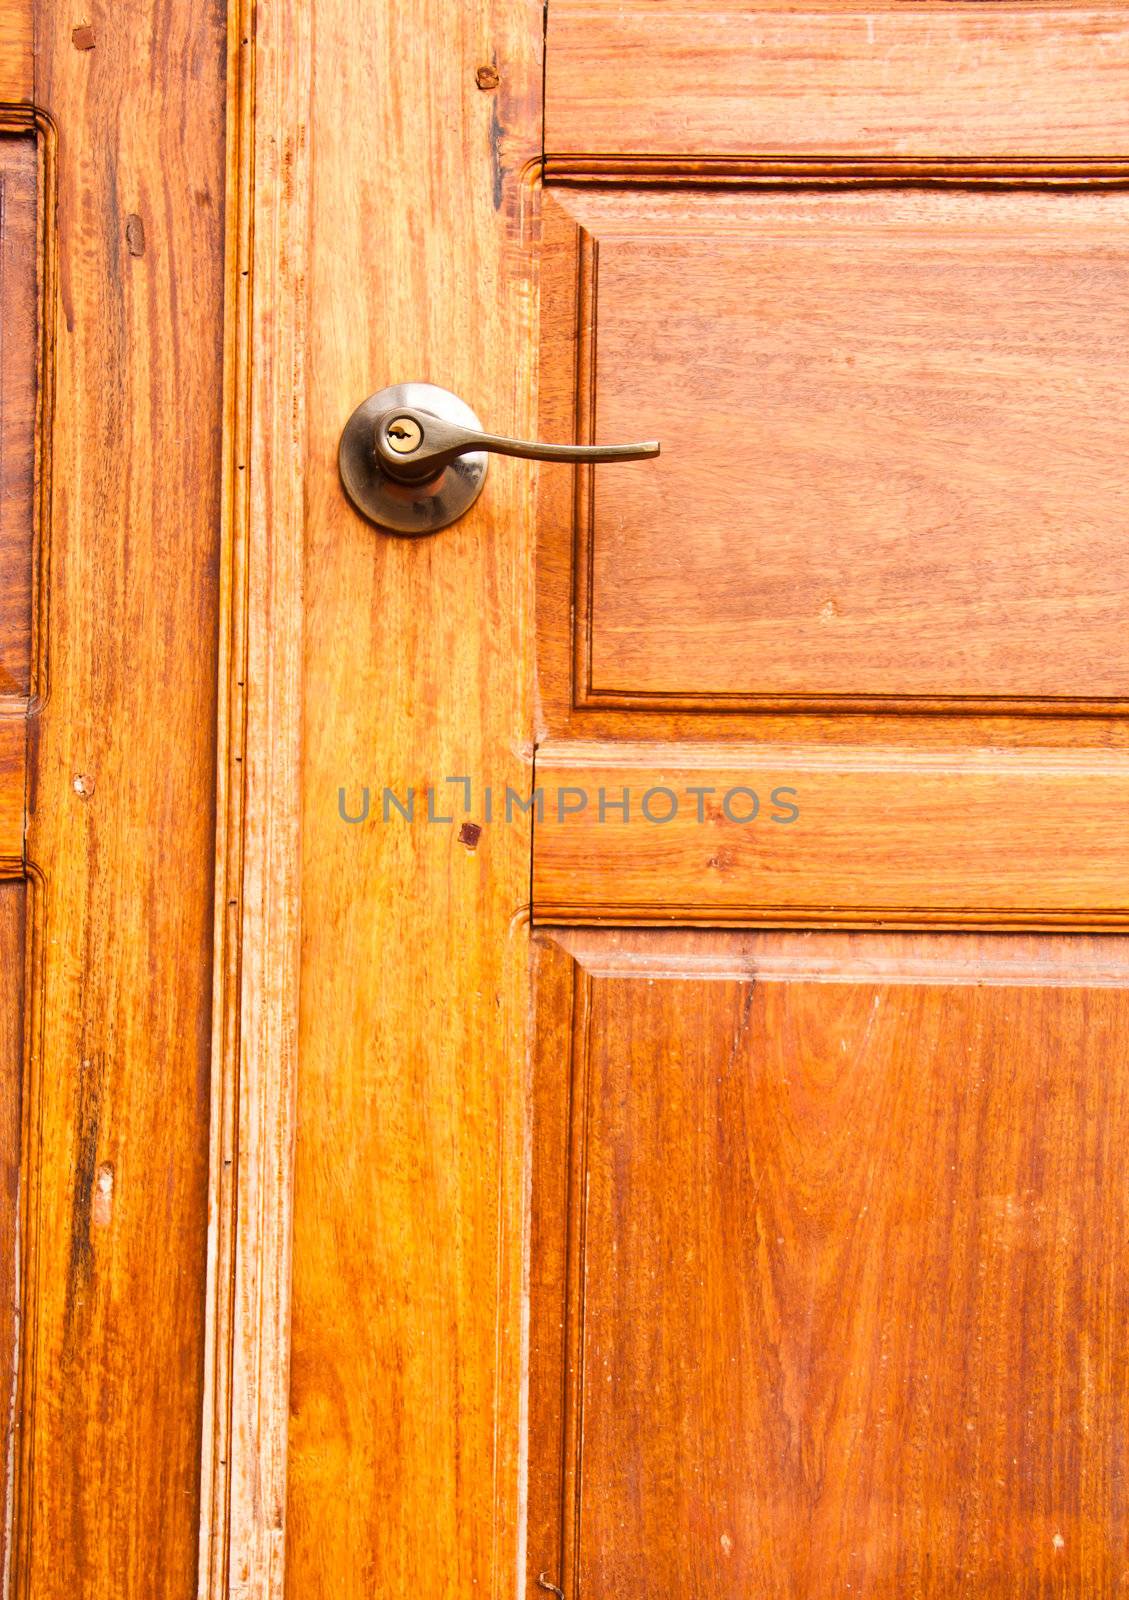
{"x": 410, "y": 508}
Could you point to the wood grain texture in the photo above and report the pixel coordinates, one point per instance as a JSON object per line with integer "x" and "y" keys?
{"x": 254, "y": 1029}
{"x": 121, "y": 812}
{"x": 695, "y": 80}
{"x": 895, "y": 448}
{"x": 13, "y": 775}
{"x": 733, "y": 833}
{"x": 404, "y": 1450}
{"x": 841, "y": 1309}
{"x": 17, "y": 61}
{"x": 18, "y": 354}
{"x": 13, "y": 901}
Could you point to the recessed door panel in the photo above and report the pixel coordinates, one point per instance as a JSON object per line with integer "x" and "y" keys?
{"x": 896, "y": 448}
{"x": 18, "y": 349}
{"x": 843, "y": 1300}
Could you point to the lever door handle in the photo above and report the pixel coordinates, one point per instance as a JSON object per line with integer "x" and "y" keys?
{"x": 413, "y": 457}
{"x": 416, "y": 444}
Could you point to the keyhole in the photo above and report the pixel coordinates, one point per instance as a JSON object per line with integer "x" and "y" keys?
{"x": 404, "y": 435}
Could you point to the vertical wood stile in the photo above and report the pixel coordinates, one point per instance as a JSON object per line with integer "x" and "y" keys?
{"x": 258, "y": 774}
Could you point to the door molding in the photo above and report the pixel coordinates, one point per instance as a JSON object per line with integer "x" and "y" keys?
{"x": 257, "y": 908}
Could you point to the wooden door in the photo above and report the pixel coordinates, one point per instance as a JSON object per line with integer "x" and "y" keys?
{"x": 828, "y": 1197}
{"x": 686, "y": 1155}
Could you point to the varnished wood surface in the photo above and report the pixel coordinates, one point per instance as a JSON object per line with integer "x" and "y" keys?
{"x": 695, "y": 80}
{"x": 408, "y": 1254}
{"x": 835, "y": 836}
{"x": 895, "y": 449}
{"x": 121, "y": 823}
{"x": 17, "y": 37}
{"x": 13, "y": 900}
{"x": 257, "y": 914}
{"x": 828, "y": 1294}
{"x": 18, "y": 351}
{"x": 13, "y": 771}
{"x": 825, "y": 1265}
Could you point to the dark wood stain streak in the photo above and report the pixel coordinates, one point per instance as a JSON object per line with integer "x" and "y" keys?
{"x": 88, "y": 1114}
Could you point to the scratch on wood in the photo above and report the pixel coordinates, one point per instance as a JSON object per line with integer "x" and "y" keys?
{"x": 102, "y": 1205}
{"x": 742, "y": 1025}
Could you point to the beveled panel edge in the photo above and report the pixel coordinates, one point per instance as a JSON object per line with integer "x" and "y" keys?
{"x": 654, "y": 914}
{"x": 855, "y": 704}
{"x": 1005, "y": 960}
{"x": 584, "y": 491}
{"x": 834, "y": 171}
{"x": 685, "y": 755}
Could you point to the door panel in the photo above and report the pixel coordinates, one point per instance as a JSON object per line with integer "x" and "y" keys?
{"x": 842, "y": 1301}
{"x": 827, "y": 1227}
{"x": 897, "y": 447}
{"x": 744, "y": 832}
{"x": 18, "y": 345}
{"x": 644, "y": 85}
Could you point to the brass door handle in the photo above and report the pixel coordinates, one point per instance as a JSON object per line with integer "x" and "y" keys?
{"x": 416, "y": 444}
{"x": 413, "y": 457}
